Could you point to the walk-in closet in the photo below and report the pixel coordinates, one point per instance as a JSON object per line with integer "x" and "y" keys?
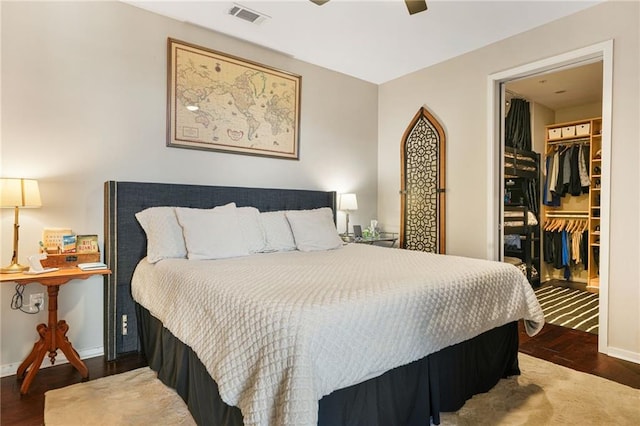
{"x": 552, "y": 183}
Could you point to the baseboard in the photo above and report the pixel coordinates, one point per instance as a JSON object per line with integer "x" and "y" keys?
{"x": 10, "y": 369}
{"x": 624, "y": 354}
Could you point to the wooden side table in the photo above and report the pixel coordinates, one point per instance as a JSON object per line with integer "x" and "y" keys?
{"x": 53, "y": 336}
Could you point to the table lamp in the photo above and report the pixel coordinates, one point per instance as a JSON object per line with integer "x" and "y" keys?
{"x": 348, "y": 203}
{"x": 16, "y": 193}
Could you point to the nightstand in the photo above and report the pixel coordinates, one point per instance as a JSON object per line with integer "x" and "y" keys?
{"x": 383, "y": 237}
{"x": 53, "y": 336}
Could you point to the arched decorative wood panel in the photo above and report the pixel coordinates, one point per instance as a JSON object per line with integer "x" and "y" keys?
{"x": 422, "y": 211}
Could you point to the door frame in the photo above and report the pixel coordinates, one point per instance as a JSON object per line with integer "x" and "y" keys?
{"x": 495, "y": 191}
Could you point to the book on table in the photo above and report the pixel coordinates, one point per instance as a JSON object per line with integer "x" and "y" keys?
{"x": 91, "y": 266}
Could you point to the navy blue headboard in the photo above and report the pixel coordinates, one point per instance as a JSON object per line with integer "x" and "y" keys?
{"x": 126, "y": 243}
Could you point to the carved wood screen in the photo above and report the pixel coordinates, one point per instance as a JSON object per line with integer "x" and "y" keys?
{"x": 422, "y": 211}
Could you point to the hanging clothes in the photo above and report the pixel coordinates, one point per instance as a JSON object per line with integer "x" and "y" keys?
{"x": 559, "y": 187}
{"x": 566, "y": 171}
{"x": 575, "y": 183}
{"x": 566, "y": 248}
{"x": 549, "y": 198}
{"x": 583, "y": 168}
{"x": 518, "y": 125}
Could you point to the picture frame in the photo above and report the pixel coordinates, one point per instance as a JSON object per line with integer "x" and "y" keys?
{"x": 220, "y": 102}
{"x": 52, "y": 239}
{"x": 87, "y": 243}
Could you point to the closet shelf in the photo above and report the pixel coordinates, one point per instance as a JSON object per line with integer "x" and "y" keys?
{"x": 571, "y": 139}
{"x": 590, "y": 135}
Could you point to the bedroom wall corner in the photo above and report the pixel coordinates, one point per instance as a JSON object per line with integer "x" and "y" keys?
{"x": 456, "y": 90}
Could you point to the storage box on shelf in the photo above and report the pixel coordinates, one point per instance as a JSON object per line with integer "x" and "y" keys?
{"x": 568, "y": 131}
{"x": 583, "y": 129}
{"x": 555, "y": 133}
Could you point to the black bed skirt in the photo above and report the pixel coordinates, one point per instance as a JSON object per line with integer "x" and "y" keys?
{"x": 413, "y": 394}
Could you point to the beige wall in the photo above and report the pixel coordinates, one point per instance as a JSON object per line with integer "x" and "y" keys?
{"x": 581, "y": 112}
{"x": 83, "y": 101}
{"x": 456, "y": 92}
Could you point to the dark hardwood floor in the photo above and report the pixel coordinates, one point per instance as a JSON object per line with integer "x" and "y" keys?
{"x": 578, "y": 350}
{"x": 570, "y": 348}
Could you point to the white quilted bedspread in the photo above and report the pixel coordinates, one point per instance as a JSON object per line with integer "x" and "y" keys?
{"x": 279, "y": 331}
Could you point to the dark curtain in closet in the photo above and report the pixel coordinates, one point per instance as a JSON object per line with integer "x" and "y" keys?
{"x": 518, "y": 125}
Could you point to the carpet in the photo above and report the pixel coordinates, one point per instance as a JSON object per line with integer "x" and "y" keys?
{"x": 136, "y": 397}
{"x": 545, "y": 394}
{"x": 550, "y": 394}
{"x": 569, "y": 307}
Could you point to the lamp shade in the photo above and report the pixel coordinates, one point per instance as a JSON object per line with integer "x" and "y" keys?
{"x": 19, "y": 193}
{"x": 348, "y": 202}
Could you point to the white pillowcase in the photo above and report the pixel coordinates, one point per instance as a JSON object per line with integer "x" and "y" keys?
{"x": 249, "y": 218}
{"x": 213, "y": 233}
{"x": 314, "y": 230}
{"x": 164, "y": 233}
{"x": 277, "y": 231}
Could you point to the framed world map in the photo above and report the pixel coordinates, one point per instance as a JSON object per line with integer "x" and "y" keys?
{"x": 223, "y": 103}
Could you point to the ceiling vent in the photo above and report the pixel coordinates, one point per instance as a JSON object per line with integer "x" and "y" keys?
{"x": 247, "y": 14}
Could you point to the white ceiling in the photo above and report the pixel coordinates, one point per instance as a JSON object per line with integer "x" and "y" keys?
{"x": 373, "y": 40}
{"x": 564, "y": 88}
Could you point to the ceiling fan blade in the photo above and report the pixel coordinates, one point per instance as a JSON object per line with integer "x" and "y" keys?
{"x": 415, "y": 6}
{"x": 319, "y": 2}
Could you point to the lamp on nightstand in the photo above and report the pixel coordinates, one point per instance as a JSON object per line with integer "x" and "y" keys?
{"x": 348, "y": 203}
{"x": 16, "y": 193}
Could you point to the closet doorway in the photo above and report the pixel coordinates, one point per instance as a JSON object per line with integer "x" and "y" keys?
{"x": 497, "y": 84}
{"x": 552, "y": 171}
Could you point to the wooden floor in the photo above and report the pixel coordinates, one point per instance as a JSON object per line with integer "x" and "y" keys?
{"x": 570, "y": 348}
{"x": 578, "y": 350}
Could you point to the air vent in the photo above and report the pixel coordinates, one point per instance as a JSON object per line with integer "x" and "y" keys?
{"x": 247, "y": 14}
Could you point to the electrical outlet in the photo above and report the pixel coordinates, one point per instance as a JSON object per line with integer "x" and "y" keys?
{"x": 124, "y": 325}
{"x": 36, "y": 301}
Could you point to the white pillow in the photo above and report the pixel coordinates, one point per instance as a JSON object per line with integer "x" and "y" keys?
{"x": 164, "y": 234}
{"x": 277, "y": 231}
{"x": 314, "y": 230}
{"x": 249, "y": 218}
{"x": 213, "y": 233}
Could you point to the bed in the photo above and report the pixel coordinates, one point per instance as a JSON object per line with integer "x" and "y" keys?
{"x": 360, "y": 344}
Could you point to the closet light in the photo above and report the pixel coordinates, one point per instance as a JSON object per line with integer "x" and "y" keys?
{"x": 193, "y": 107}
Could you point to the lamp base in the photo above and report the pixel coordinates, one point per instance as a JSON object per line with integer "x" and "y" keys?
{"x": 14, "y": 268}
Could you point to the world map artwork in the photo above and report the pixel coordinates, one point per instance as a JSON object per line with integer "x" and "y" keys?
{"x": 224, "y": 103}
